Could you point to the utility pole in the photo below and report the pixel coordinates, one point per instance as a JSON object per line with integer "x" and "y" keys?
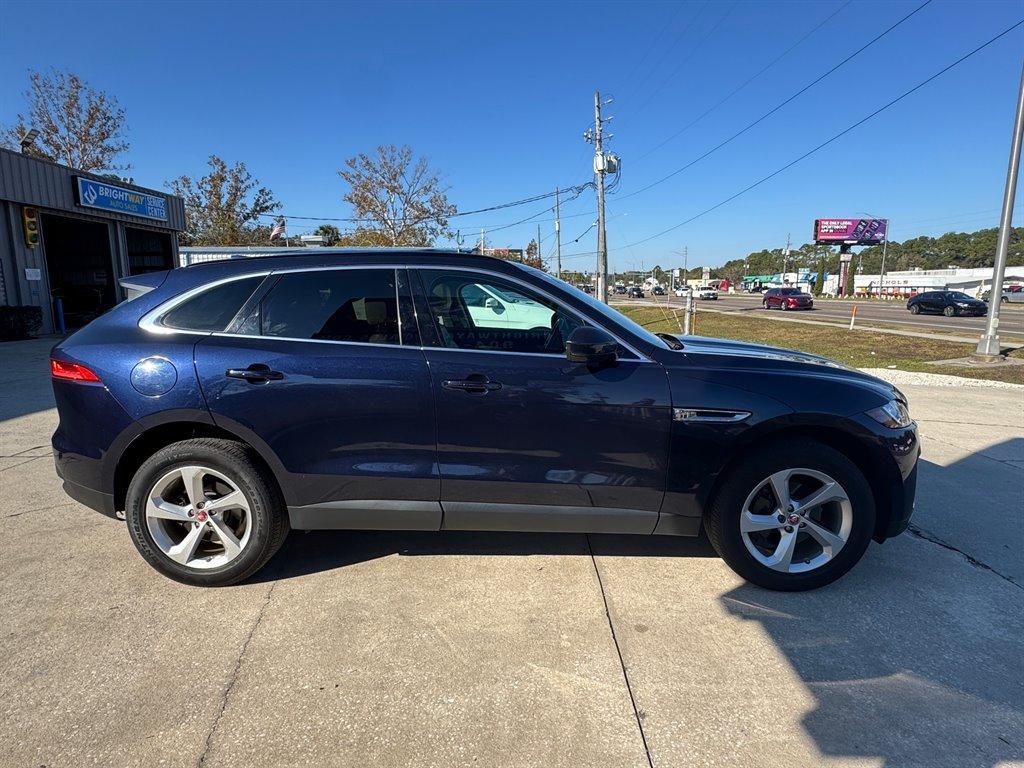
{"x": 538, "y": 247}
{"x": 482, "y": 241}
{"x": 785, "y": 259}
{"x": 600, "y": 168}
{"x": 558, "y": 239}
{"x": 989, "y": 348}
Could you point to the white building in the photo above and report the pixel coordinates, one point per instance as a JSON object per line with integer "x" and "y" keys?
{"x": 970, "y": 281}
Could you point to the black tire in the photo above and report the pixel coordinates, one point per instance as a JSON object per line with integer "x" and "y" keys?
{"x": 267, "y": 511}
{"x": 915, "y": 309}
{"x": 1004, "y": 300}
{"x": 722, "y": 519}
{"x": 764, "y": 305}
{"x": 949, "y": 311}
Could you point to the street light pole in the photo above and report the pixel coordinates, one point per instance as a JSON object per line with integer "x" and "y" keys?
{"x": 989, "y": 349}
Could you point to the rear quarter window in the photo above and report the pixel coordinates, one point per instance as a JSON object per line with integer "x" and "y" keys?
{"x": 213, "y": 309}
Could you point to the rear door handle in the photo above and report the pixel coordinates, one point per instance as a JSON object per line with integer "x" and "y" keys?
{"x": 475, "y": 384}
{"x": 257, "y": 373}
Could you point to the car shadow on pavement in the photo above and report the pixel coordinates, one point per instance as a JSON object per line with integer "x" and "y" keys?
{"x": 315, "y": 551}
{"x": 914, "y": 657}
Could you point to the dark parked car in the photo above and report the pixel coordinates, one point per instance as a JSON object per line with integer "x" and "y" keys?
{"x": 787, "y": 298}
{"x": 634, "y": 292}
{"x": 658, "y": 291}
{"x": 232, "y": 401}
{"x": 949, "y": 303}
{"x": 620, "y": 289}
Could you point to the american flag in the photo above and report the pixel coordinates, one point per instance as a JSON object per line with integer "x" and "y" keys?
{"x": 278, "y": 230}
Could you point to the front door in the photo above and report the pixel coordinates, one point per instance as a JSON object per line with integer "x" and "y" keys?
{"x": 326, "y": 377}
{"x": 526, "y": 439}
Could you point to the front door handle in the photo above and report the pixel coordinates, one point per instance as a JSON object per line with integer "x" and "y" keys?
{"x": 257, "y": 373}
{"x": 476, "y": 384}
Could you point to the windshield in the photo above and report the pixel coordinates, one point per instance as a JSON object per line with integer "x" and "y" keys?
{"x": 790, "y": 291}
{"x": 602, "y": 309}
{"x": 957, "y": 296}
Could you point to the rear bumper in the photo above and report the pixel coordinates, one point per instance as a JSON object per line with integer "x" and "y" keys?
{"x": 72, "y": 470}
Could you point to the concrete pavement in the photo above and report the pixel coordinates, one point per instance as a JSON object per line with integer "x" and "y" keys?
{"x": 356, "y": 649}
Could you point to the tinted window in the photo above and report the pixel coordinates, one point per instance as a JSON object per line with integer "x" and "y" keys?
{"x": 789, "y": 291}
{"x": 212, "y": 310}
{"x": 333, "y": 305}
{"x": 510, "y": 318}
{"x": 957, "y": 296}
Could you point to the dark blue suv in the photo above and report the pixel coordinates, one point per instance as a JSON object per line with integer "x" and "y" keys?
{"x": 228, "y": 402}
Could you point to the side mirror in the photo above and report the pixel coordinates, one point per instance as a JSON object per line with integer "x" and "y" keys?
{"x": 492, "y": 303}
{"x": 592, "y": 346}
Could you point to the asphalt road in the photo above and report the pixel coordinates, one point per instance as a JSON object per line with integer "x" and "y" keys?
{"x": 416, "y": 649}
{"x": 888, "y": 313}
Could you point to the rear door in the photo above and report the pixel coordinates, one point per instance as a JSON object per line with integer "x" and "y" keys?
{"x": 528, "y": 440}
{"x": 324, "y": 372}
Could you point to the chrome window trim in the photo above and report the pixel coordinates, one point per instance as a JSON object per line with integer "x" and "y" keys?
{"x": 150, "y": 321}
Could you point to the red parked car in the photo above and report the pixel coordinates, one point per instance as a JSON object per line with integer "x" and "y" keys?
{"x": 787, "y": 298}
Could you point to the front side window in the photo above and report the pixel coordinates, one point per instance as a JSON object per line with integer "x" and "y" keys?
{"x": 354, "y": 305}
{"x": 481, "y": 312}
{"x": 213, "y": 309}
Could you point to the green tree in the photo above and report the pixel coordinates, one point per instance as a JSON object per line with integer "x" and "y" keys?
{"x": 78, "y": 126}
{"x": 225, "y": 206}
{"x": 330, "y": 233}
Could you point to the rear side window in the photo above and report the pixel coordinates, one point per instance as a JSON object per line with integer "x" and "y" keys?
{"x": 212, "y": 310}
{"x": 359, "y": 305}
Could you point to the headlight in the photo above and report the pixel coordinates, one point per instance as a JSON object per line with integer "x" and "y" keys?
{"x": 893, "y": 414}
{"x": 962, "y": 304}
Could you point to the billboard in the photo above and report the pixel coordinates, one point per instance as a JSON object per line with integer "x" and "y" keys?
{"x": 850, "y": 231}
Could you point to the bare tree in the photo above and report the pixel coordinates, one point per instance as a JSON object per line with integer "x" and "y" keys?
{"x": 78, "y": 125}
{"x": 224, "y": 206}
{"x": 404, "y": 200}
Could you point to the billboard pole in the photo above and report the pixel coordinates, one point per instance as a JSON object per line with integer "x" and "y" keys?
{"x": 989, "y": 348}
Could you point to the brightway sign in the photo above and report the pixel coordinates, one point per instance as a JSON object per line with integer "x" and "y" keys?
{"x": 108, "y": 197}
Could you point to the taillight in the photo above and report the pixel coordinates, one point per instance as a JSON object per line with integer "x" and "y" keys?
{"x": 61, "y": 369}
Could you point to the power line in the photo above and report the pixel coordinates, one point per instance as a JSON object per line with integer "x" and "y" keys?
{"x": 577, "y": 189}
{"x": 672, "y": 47}
{"x": 693, "y": 52}
{"x": 779, "y": 106}
{"x": 835, "y": 137}
{"x": 745, "y": 83}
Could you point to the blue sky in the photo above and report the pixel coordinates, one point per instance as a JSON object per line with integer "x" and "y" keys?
{"x": 497, "y": 96}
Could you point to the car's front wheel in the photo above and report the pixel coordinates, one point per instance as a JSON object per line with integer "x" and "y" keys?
{"x": 793, "y": 517}
{"x": 949, "y": 311}
{"x": 202, "y": 512}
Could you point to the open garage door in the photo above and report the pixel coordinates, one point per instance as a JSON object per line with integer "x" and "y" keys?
{"x": 148, "y": 251}
{"x": 79, "y": 267}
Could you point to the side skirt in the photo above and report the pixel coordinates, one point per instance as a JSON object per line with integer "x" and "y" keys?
{"x": 399, "y": 515}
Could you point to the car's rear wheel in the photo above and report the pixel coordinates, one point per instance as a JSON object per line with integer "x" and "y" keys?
{"x": 915, "y": 309}
{"x": 795, "y": 517}
{"x": 202, "y": 512}
{"x": 949, "y": 311}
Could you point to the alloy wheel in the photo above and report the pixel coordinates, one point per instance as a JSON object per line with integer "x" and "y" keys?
{"x": 198, "y": 517}
{"x": 796, "y": 520}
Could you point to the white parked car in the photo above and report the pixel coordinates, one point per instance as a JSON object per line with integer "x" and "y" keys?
{"x": 706, "y": 293}
{"x": 491, "y": 308}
